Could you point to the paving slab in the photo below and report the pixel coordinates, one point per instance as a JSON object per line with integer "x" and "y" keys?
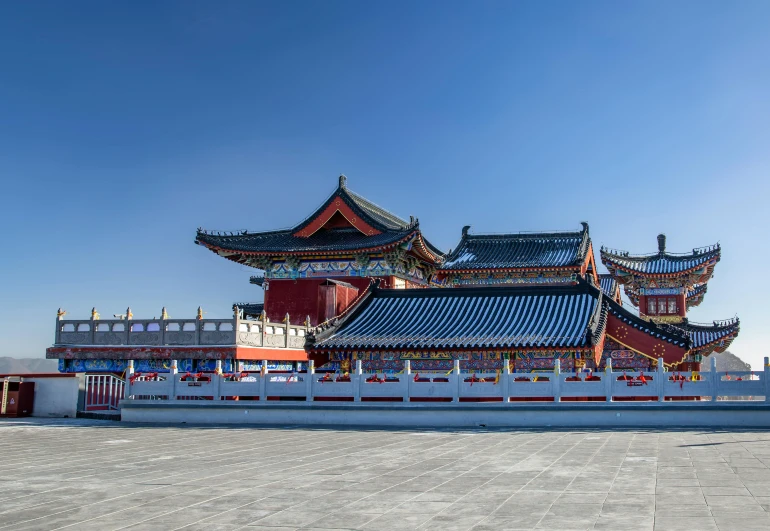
{"x": 108, "y": 476}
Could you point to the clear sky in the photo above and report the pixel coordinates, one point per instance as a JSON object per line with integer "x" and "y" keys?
{"x": 126, "y": 125}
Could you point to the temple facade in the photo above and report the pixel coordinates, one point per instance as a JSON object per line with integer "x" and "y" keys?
{"x": 353, "y": 281}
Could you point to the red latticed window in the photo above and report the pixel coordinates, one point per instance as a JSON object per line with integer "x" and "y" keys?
{"x": 651, "y": 307}
{"x": 671, "y": 305}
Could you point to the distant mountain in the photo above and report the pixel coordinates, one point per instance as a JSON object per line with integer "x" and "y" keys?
{"x": 27, "y": 365}
{"x": 726, "y": 361}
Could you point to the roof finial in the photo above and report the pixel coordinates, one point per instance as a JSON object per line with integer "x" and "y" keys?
{"x": 343, "y": 181}
{"x": 466, "y": 229}
{"x": 662, "y": 243}
{"x": 585, "y": 226}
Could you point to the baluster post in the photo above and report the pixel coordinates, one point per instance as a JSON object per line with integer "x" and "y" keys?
{"x": 127, "y": 331}
{"x": 357, "y": 381}
{"x": 59, "y": 318}
{"x": 163, "y": 317}
{"x": 263, "y": 378}
{"x": 406, "y": 377}
{"x": 94, "y": 318}
{"x": 458, "y": 382}
{"x": 218, "y": 386}
{"x": 506, "y": 379}
{"x": 556, "y": 380}
{"x": 286, "y": 330}
{"x": 129, "y": 374}
{"x": 310, "y": 381}
{"x": 766, "y": 378}
{"x": 172, "y": 372}
{"x": 608, "y": 380}
{"x": 715, "y": 379}
{"x": 198, "y": 326}
{"x": 660, "y": 376}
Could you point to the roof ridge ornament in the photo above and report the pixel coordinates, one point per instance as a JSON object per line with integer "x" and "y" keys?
{"x": 343, "y": 181}
{"x": 661, "y": 243}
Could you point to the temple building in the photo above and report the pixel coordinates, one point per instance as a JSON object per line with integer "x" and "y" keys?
{"x": 356, "y": 282}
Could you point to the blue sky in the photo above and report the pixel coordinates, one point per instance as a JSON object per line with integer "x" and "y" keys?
{"x": 124, "y": 126}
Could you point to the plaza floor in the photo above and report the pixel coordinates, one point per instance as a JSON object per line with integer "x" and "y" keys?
{"x": 101, "y": 475}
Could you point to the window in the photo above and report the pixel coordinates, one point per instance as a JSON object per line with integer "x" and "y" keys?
{"x": 651, "y": 307}
{"x": 671, "y": 305}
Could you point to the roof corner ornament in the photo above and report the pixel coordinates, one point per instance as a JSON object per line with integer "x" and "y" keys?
{"x": 343, "y": 181}
{"x": 585, "y": 226}
{"x": 662, "y": 243}
{"x": 466, "y": 229}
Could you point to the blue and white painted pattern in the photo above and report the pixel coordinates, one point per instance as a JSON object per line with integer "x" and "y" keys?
{"x": 470, "y": 318}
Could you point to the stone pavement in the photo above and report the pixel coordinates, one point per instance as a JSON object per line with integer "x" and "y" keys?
{"x": 101, "y": 475}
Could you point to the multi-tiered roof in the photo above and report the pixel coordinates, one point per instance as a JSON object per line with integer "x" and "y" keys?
{"x": 538, "y": 257}
{"x": 344, "y": 223}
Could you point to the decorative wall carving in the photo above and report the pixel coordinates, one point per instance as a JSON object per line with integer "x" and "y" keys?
{"x": 252, "y": 339}
{"x": 217, "y": 338}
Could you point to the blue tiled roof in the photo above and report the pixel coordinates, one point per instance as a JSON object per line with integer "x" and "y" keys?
{"x": 697, "y": 289}
{"x": 549, "y": 317}
{"x": 609, "y": 285}
{"x": 250, "y": 309}
{"x": 661, "y": 262}
{"x": 704, "y": 335}
{"x": 524, "y": 250}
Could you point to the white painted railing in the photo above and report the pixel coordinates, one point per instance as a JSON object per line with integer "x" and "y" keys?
{"x": 455, "y": 387}
{"x": 103, "y": 392}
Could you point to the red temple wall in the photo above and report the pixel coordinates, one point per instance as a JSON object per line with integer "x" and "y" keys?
{"x": 300, "y": 298}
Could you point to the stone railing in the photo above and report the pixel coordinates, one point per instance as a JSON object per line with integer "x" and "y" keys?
{"x": 178, "y": 332}
{"x": 457, "y": 387}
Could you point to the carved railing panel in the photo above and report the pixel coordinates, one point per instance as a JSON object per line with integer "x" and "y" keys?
{"x": 217, "y": 338}
{"x": 75, "y": 338}
{"x": 109, "y": 338}
{"x": 251, "y": 339}
{"x": 144, "y": 338}
{"x": 296, "y": 342}
{"x": 275, "y": 341}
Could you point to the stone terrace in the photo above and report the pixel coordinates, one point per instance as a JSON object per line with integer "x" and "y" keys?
{"x": 100, "y": 475}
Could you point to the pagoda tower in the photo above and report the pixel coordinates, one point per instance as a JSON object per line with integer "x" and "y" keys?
{"x": 316, "y": 269}
{"x": 663, "y": 286}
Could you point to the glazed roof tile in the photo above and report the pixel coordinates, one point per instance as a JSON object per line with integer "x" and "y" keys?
{"x": 697, "y": 289}
{"x": 703, "y": 335}
{"x": 609, "y": 285}
{"x": 285, "y": 242}
{"x": 660, "y": 263}
{"x": 523, "y": 250}
{"x": 542, "y": 317}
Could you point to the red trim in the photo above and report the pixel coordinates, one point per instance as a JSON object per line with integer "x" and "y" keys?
{"x": 338, "y": 205}
{"x": 270, "y": 354}
{"x": 41, "y": 375}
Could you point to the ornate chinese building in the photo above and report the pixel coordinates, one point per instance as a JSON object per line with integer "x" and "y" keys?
{"x": 355, "y": 282}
